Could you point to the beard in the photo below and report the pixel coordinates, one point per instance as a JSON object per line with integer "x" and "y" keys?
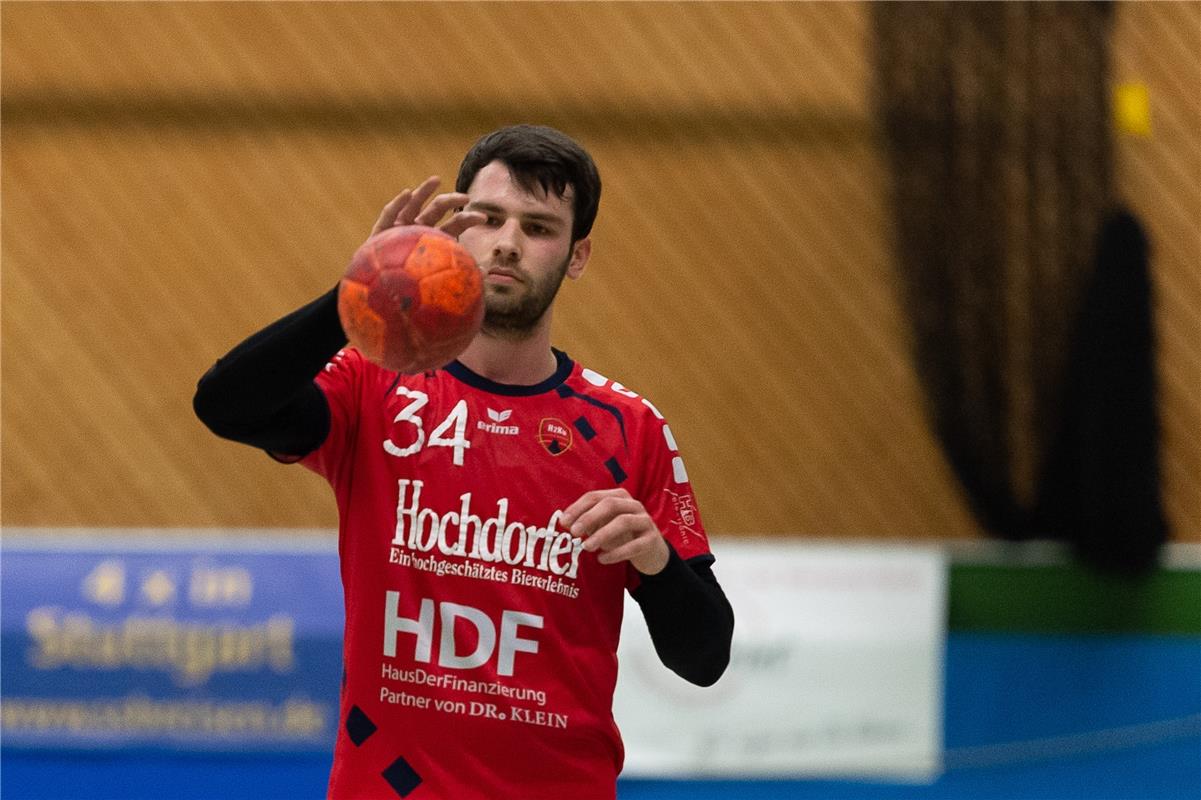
{"x": 512, "y": 311}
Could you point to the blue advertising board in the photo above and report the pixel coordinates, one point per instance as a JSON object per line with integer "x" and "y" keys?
{"x": 193, "y": 666}
{"x": 178, "y": 642}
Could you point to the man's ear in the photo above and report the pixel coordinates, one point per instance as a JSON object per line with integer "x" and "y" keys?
{"x": 580, "y": 252}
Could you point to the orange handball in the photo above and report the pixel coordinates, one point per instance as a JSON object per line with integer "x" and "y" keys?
{"x": 412, "y": 299}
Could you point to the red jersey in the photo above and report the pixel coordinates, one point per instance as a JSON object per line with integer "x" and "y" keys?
{"x": 481, "y": 639}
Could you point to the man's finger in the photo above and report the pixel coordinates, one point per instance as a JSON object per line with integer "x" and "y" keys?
{"x": 586, "y": 501}
{"x": 462, "y": 221}
{"x": 615, "y": 532}
{"x": 601, "y": 513}
{"x": 387, "y": 217}
{"x": 439, "y": 206}
{"x": 424, "y": 192}
{"x": 623, "y": 553}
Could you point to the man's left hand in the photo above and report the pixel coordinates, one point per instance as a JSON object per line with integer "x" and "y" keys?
{"x": 618, "y": 528}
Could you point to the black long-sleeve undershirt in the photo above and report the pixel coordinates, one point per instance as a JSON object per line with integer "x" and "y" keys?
{"x": 263, "y": 393}
{"x": 689, "y": 618}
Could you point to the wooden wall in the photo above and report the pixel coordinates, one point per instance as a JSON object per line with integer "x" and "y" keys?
{"x": 1158, "y": 45}
{"x": 177, "y": 175}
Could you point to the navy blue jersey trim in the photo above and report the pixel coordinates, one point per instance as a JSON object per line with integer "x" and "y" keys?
{"x": 563, "y": 368}
{"x": 614, "y": 467}
{"x": 585, "y": 429}
{"x": 567, "y": 391}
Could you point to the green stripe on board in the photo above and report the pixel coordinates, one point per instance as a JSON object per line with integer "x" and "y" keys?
{"x": 1071, "y": 599}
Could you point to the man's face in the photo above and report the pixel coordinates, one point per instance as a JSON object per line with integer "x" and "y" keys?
{"x": 524, "y": 248}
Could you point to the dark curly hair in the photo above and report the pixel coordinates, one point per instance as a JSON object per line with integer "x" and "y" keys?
{"x": 539, "y": 156}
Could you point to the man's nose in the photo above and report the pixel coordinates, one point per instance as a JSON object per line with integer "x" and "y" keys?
{"x": 507, "y": 246}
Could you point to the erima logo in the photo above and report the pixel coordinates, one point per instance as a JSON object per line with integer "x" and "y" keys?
{"x": 498, "y": 417}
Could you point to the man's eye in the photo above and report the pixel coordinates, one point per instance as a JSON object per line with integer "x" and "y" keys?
{"x": 491, "y": 220}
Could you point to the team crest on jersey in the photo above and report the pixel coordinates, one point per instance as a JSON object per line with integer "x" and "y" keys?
{"x": 555, "y": 436}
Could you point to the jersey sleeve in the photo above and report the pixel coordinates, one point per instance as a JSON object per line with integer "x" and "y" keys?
{"x": 664, "y": 488}
{"x": 341, "y": 381}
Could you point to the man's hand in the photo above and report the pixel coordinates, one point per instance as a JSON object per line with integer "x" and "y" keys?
{"x": 406, "y": 209}
{"x": 618, "y": 528}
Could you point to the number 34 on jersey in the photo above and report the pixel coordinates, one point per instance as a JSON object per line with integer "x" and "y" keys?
{"x": 450, "y": 432}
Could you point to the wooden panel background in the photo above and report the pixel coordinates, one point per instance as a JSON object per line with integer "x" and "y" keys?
{"x": 1159, "y": 176}
{"x": 177, "y": 175}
